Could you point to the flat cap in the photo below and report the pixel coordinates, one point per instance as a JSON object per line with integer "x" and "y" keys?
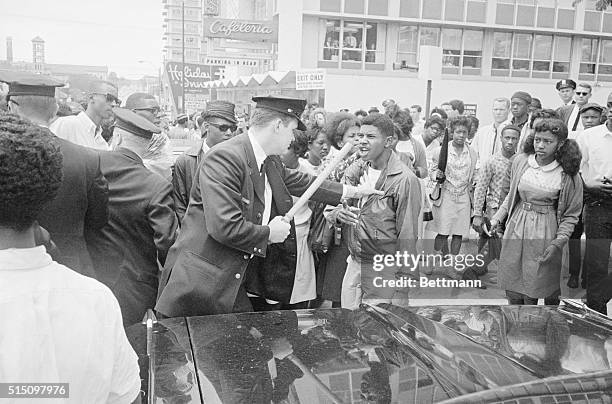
{"x": 592, "y": 105}
{"x": 221, "y": 109}
{"x": 292, "y": 107}
{"x": 141, "y": 101}
{"x": 569, "y": 83}
{"x": 130, "y": 121}
{"x": 522, "y": 95}
{"x": 26, "y": 83}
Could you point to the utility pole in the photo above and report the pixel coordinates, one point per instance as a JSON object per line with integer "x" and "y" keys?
{"x": 183, "y": 73}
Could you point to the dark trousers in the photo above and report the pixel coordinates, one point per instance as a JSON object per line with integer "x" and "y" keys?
{"x": 516, "y": 298}
{"x": 598, "y": 228}
{"x": 575, "y": 259}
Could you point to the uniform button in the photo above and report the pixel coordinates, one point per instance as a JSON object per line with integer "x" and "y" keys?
{"x": 237, "y": 276}
{"x": 255, "y": 249}
{"x": 246, "y": 256}
{"x": 259, "y": 216}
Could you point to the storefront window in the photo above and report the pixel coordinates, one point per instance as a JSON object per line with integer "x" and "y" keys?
{"x": 375, "y": 43}
{"x": 451, "y": 47}
{"x": 501, "y": 50}
{"x": 430, "y": 36}
{"x": 352, "y": 40}
{"x": 331, "y": 45}
{"x": 472, "y": 49}
{"x": 407, "y": 48}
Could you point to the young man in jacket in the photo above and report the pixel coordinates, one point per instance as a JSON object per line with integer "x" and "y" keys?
{"x": 381, "y": 225}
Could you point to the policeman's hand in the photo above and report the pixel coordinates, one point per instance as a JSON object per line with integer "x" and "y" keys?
{"x": 550, "y": 252}
{"x": 279, "y": 229}
{"x": 477, "y": 224}
{"x": 604, "y": 186}
{"x": 349, "y": 215}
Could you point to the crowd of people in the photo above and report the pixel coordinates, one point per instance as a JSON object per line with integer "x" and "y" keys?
{"x": 213, "y": 231}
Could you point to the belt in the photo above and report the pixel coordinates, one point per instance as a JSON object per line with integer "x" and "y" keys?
{"x": 538, "y": 208}
{"x": 451, "y": 189}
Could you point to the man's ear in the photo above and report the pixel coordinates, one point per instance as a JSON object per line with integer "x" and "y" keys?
{"x": 390, "y": 141}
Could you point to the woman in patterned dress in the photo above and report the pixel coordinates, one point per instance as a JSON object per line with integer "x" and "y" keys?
{"x": 542, "y": 207}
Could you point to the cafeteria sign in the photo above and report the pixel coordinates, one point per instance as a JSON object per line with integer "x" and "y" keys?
{"x": 265, "y": 31}
{"x": 310, "y": 79}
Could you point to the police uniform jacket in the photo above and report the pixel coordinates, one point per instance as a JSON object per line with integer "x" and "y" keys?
{"x": 221, "y": 232}
{"x": 183, "y": 171}
{"x": 141, "y": 228}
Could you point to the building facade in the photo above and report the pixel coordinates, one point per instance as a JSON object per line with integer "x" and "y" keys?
{"x": 496, "y": 46}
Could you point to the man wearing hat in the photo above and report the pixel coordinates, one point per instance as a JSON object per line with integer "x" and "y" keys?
{"x": 519, "y": 107}
{"x": 81, "y": 202}
{"x": 235, "y": 219}
{"x": 570, "y": 114}
{"x": 219, "y": 125}
{"x": 85, "y": 128}
{"x": 142, "y": 223}
{"x": 180, "y": 130}
{"x": 566, "y": 90}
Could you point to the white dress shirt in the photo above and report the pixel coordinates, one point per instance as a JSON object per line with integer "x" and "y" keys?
{"x": 574, "y": 119}
{"x": 596, "y": 147}
{"x": 62, "y": 327}
{"x": 487, "y": 141}
{"x": 260, "y": 156}
{"x": 80, "y": 129}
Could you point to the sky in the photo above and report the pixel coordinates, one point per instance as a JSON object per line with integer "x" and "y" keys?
{"x": 124, "y": 35}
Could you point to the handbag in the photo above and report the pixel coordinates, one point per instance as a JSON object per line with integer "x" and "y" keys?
{"x": 321, "y": 232}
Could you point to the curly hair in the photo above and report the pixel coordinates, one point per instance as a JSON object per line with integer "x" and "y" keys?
{"x": 542, "y": 113}
{"x": 336, "y": 126}
{"x": 404, "y": 121}
{"x": 568, "y": 153}
{"x": 299, "y": 144}
{"x": 30, "y": 170}
{"x": 435, "y": 120}
{"x": 459, "y": 121}
{"x": 440, "y": 112}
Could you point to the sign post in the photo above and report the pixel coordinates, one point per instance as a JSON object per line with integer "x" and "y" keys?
{"x": 430, "y": 68}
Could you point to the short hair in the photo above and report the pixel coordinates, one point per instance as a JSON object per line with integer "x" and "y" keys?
{"x": 36, "y": 106}
{"x": 457, "y": 105}
{"x": 263, "y": 116}
{"x": 300, "y": 142}
{"x": 585, "y": 85}
{"x": 361, "y": 112}
{"x": 440, "y": 112}
{"x": 382, "y": 122}
{"x": 435, "y": 120}
{"x": 404, "y": 121}
{"x": 542, "y": 113}
{"x": 417, "y": 107}
{"x": 336, "y": 126}
{"x": 30, "y": 170}
{"x": 504, "y": 100}
{"x": 459, "y": 121}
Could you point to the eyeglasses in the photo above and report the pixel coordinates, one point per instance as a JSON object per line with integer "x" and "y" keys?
{"x": 582, "y": 93}
{"x": 224, "y": 127}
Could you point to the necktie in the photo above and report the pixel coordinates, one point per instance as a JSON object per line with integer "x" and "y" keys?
{"x": 577, "y": 120}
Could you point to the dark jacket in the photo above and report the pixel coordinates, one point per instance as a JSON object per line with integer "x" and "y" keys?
{"x": 564, "y": 113}
{"x": 222, "y": 230}
{"x": 80, "y": 205}
{"x": 184, "y": 170}
{"x": 141, "y": 228}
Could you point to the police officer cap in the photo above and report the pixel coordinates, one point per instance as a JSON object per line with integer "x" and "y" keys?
{"x": 292, "y": 107}
{"x": 569, "y": 83}
{"x": 592, "y": 105}
{"x": 141, "y": 101}
{"x": 133, "y": 123}
{"x": 25, "y": 83}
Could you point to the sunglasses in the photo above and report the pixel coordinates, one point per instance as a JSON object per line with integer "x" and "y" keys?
{"x": 111, "y": 98}
{"x": 224, "y": 127}
{"x": 154, "y": 111}
{"x": 581, "y": 93}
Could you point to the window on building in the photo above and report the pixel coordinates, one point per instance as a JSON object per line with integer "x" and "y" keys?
{"x": 378, "y": 7}
{"x": 589, "y": 55}
{"x": 505, "y": 12}
{"x": 331, "y": 45}
{"x": 546, "y": 13}
{"x": 525, "y": 13}
{"x": 375, "y": 43}
{"x": 605, "y": 58}
{"x": 562, "y": 55}
{"x": 502, "y": 46}
{"x": 407, "y": 48}
{"x": 330, "y": 5}
{"x": 354, "y": 6}
{"x": 592, "y": 17}
{"x": 430, "y": 36}
{"x": 454, "y": 10}
{"x": 432, "y": 9}
{"x": 451, "y": 47}
{"x": 521, "y": 51}
{"x": 476, "y": 11}
{"x": 542, "y": 53}
{"x": 472, "y": 49}
{"x": 410, "y": 8}
{"x": 352, "y": 40}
